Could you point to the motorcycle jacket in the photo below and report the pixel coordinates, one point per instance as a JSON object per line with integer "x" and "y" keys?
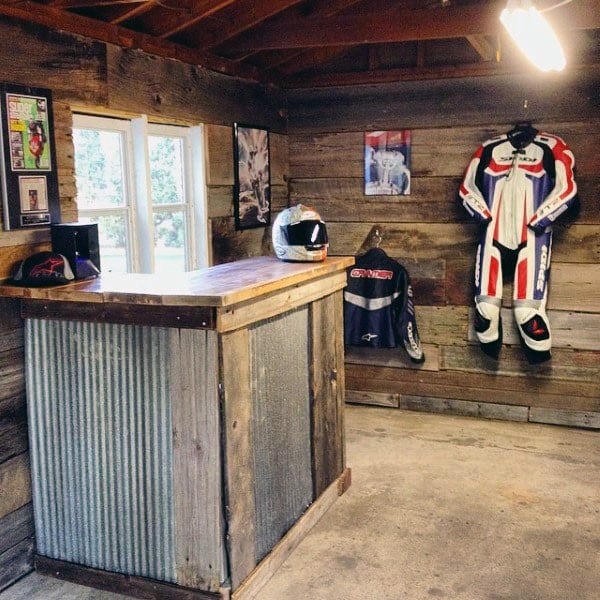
{"x": 378, "y": 305}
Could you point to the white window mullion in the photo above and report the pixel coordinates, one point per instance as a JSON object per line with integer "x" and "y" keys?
{"x": 143, "y": 195}
{"x": 199, "y": 211}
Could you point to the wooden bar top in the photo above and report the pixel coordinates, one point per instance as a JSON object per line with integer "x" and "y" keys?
{"x": 221, "y": 286}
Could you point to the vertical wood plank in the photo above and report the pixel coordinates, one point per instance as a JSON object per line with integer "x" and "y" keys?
{"x": 196, "y": 459}
{"x": 16, "y": 562}
{"x": 14, "y": 484}
{"x": 15, "y": 527}
{"x": 327, "y": 389}
{"x": 13, "y": 427}
{"x": 219, "y": 155}
{"x": 239, "y": 465}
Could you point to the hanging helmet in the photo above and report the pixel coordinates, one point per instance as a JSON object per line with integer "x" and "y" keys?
{"x": 299, "y": 235}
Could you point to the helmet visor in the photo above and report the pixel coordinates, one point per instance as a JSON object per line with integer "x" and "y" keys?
{"x": 312, "y": 234}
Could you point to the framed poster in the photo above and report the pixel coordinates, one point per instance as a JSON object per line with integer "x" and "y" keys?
{"x": 252, "y": 171}
{"x": 387, "y": 163}
{"x": 28, "y": 161}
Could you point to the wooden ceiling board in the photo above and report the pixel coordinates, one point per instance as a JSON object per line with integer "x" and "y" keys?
{"x": 294, "y": 43}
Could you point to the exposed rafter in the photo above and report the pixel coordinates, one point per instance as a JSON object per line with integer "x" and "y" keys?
{"x": 91, "y": 3}
{"x": 410, "y": 74}
{"x": 324, "y": 8}
{"x": 482, "y": 46}
{"x": 131, "y": 13}
{"x": 237, "y": 18}
{"x": 410, "y": 25}
{"x": 54, "y": 17}
{"x": 170, "y": 23}
{"x": 317, "y": 42}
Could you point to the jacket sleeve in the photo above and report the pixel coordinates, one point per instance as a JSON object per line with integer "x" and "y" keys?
{"x": 470, "y": 194}
{"x": 564, "y": 193}
{"x": 405, "y": 322}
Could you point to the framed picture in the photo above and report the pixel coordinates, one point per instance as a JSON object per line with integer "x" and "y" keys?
{"x": 387, "y": 163}
{"x": 252, "y": 189}
{"x": 33, "y": 195}
{"x": 29, "y": 181}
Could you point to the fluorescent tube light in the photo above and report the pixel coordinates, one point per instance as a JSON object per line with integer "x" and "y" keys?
{"x": 533, "y": 35}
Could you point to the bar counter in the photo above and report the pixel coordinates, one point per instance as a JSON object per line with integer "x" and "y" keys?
{"x": 186, "y": 431}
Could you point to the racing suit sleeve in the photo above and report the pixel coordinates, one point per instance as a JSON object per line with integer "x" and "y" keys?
{"x": 564, "y": 193}
{"x": 470, "y": 194}
{"x": 405, "y": 322}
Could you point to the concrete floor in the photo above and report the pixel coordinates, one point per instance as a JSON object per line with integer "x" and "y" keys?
{"x": 441, "y": 507}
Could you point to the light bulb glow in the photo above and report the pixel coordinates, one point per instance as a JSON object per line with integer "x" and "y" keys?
{"x": 533, "y": 35}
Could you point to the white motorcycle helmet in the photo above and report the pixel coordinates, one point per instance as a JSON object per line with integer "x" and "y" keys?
{"x": 299, "y": 235}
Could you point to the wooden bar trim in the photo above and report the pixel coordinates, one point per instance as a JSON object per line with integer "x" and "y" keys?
{"x": 197, "y": 496}
{"x": 137, "y": 587}
{"x": 237, "y": 432}
{"x": 327, "y": 436}
{"x": 154, "y": 315}
{"x": 288, "y": 543}
{"x": 253, "y": 311}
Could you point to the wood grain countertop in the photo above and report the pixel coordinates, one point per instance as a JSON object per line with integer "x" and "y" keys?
{"x": 220, "y": 286}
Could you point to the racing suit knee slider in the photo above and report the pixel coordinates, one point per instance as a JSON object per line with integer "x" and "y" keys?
{"x": 488, "y": 326}
{"x": 535, "y": 334}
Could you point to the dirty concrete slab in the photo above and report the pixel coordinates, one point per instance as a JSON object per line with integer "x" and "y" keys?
{"x": 441, "y": 507}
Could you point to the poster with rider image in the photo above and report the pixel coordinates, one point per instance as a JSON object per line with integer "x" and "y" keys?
{"x": 252, "y": 189}
{"x": 387, "y": 163}
{"x": 28, "y": 132}
{"x": 28, "y": 175}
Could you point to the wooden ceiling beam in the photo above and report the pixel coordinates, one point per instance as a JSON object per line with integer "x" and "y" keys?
{"x": 322, "y": 8}
{"x": 238, "y": 18}
{"x": 130, "y": 13}
{"x": 482, "y": 47}
{"x": 298, "y": 60}
{"x": 113, "y": 34}
{"x": 172, "y": 23}
{"x": 67, "y": 4}
{"x": 409, "y": 25}
{"x": 309, "y": 59}
{"x": 480, "y": 69}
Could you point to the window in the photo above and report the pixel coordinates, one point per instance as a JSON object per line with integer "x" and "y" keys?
{"x": 143, "y": 184}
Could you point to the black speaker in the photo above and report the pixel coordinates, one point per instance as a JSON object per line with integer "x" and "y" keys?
{"x": 78, "y": 242}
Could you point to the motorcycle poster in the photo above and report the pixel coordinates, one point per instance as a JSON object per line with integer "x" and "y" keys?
{"x": 387, "y": 163}
{"x": 28, "y": 132}
{"x": 28, "y": 167}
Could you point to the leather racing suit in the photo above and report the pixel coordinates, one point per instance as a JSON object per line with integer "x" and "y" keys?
{"x": 517, "y": 193}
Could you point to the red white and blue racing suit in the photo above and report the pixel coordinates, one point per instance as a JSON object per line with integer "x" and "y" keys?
{"x": 517, "y": 193}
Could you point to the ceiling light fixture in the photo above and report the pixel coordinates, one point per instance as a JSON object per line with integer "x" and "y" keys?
{"x": 533, "y": 34}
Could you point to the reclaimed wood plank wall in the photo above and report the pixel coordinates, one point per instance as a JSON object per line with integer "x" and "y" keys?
{"x": 430, "y": 233}
{"x": 86, "y": 75}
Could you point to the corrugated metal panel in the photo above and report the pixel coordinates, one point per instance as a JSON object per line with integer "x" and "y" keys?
{"x": 101, "y": 447}
{"x": 281, "y": 424}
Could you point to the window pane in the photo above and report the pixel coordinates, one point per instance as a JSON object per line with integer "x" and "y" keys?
{"x": 169, "y": 242}
{"x": 99, "y": 168}
{"x": 166, "y": 169}
{"x": 113, "y": 243}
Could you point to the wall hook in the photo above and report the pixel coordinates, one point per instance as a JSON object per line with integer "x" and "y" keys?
{"x": 378, "y": 238}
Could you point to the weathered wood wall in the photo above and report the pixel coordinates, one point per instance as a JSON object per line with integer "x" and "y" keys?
{"x": 86, "y": 75}
{"x": 430, "y": 233}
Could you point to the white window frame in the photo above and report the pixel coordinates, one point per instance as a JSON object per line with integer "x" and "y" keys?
{"x": 138, "y": 209}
